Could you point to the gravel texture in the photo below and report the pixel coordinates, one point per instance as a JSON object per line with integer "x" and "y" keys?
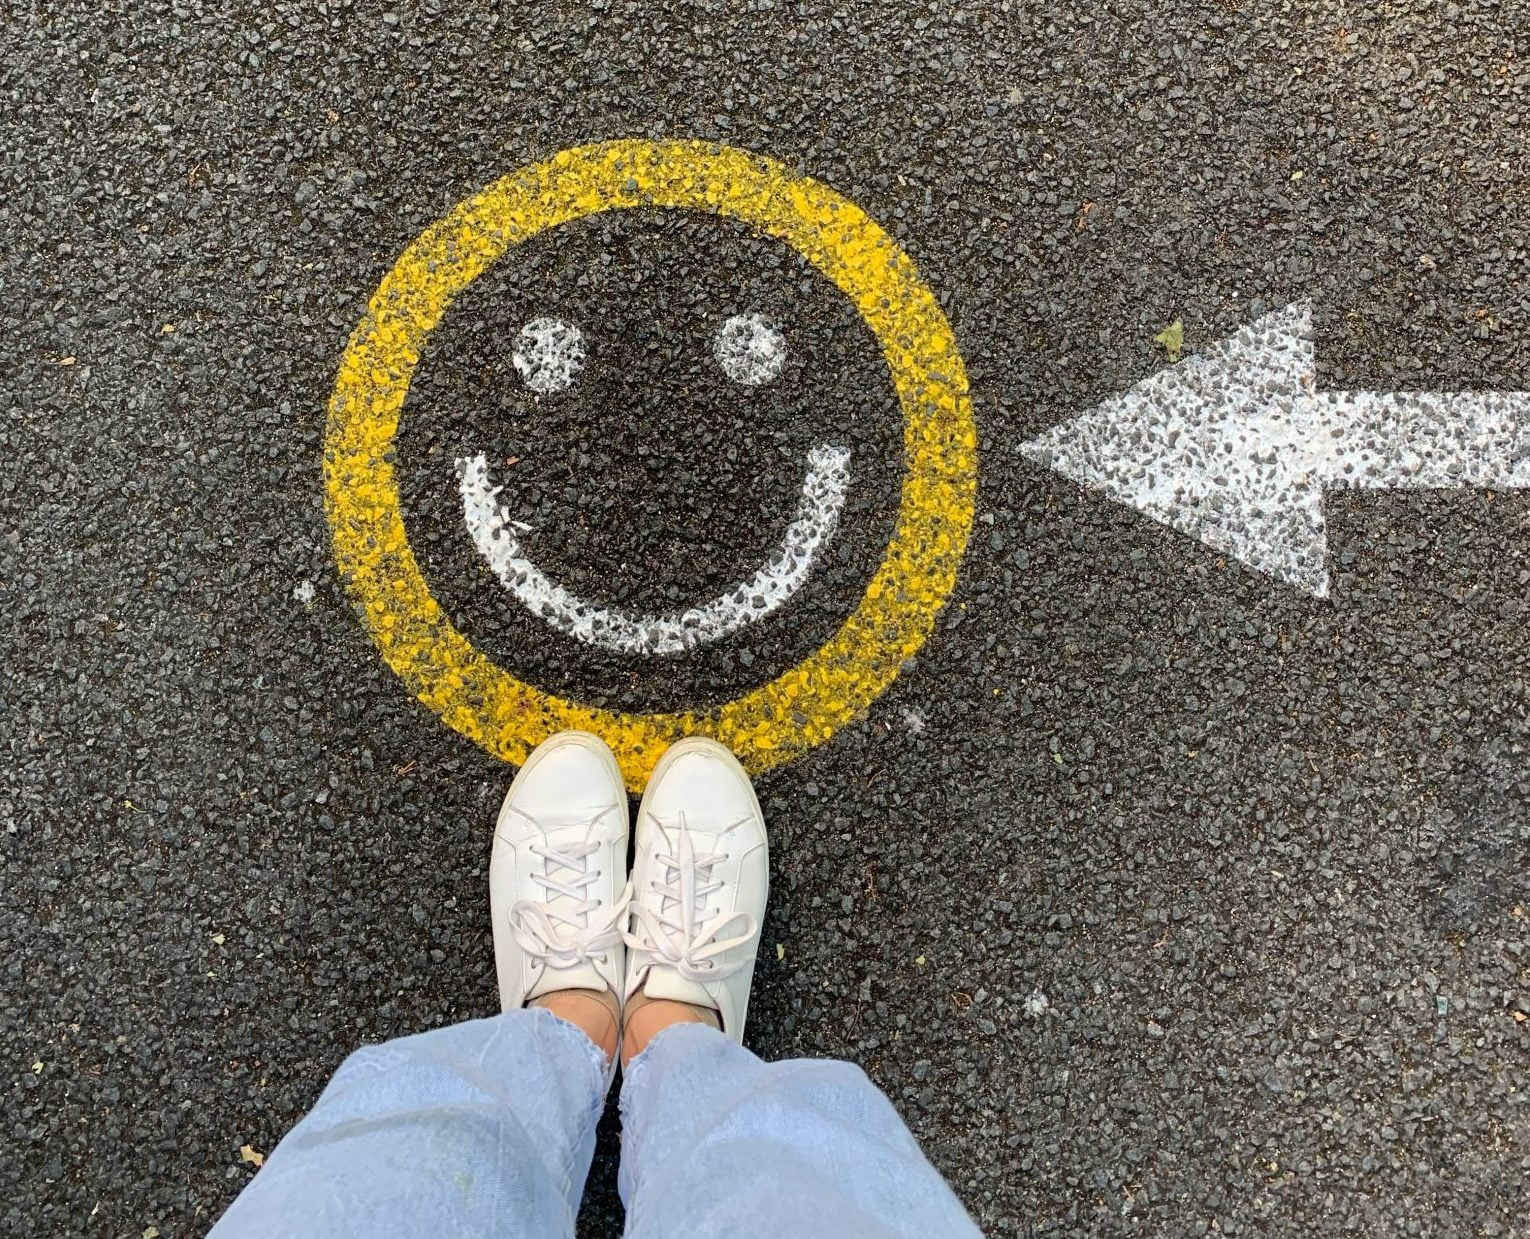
{"x": 1161, "y": 898}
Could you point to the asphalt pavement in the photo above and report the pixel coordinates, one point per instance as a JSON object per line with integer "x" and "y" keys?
{"x": 1160, "y": 896}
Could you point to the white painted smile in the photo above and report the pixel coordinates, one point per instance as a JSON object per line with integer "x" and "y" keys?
{"x": 496, "y": 534}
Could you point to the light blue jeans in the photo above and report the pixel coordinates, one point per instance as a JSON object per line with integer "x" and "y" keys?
{"x": 488, "y": 1128}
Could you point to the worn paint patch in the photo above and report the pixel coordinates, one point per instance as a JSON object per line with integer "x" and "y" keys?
{"x": 497, "y": 535}
{"x": 549, "y": 354}
{"x": 803, "y": 706}
{"x": 750, "y": 349}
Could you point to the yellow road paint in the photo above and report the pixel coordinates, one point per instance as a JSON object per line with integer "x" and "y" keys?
{"x": 805, "y": 705}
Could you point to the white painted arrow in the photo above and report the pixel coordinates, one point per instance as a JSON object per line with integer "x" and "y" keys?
{"x": 1236, "y": 446}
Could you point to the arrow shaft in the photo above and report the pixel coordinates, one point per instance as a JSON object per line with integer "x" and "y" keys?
{"x": 1418, "y": 440}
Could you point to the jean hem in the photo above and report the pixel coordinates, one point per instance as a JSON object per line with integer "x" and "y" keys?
{"x": 599, "y": 1067}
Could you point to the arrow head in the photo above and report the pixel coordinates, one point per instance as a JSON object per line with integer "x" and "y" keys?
{"x": 1219, "y": 447}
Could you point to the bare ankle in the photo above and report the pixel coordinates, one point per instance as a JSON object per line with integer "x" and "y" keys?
{"x": 645, "y": 1018}
{"x": 594, "y": 1014}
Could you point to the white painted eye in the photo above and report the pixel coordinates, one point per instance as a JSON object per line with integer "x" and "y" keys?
{"x": 549, "y": 354}
{"x": 750, "y": 349}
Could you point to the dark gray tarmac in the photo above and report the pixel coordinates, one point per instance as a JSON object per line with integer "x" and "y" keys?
{"x": 1162, "y": 899}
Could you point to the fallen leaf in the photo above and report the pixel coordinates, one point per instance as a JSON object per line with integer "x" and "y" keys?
{"x": 37, "y": 1067}
{"x": 151, "y": 1232}
{"x": 1172, "y": 338}
{"x": 780, "y": 951}
{"x": 218, "y": 939}
{"x": 247, "y": 1153}
{"x": 919, "y": 959}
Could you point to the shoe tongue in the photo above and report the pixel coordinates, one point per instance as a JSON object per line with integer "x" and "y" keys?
{"x": 667, "y": 983}
{"x": 558, "y": 838}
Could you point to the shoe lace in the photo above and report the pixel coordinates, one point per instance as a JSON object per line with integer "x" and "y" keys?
{"x": 676, "y": 930}
{"x": 557, "y": 930}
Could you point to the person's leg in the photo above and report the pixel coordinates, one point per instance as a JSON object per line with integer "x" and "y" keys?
{"x": 483, "y": 1128}
{"x": 716, "y": 1142}
{"x": 487, "y": 1127}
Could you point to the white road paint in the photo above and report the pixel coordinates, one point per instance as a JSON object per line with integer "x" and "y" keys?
{"x": 549, "y": 354}
{"x": 498, "y": 539}
{"x": 750, "y": 349}
{"x": 1236, "y": 446}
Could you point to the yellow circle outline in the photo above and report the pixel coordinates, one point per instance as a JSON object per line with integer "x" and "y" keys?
{"x": 805, "y": 705}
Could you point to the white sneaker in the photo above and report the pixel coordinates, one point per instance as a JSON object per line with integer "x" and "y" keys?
{"x": 700, "y": 879}
{"x": 558, "y": 873}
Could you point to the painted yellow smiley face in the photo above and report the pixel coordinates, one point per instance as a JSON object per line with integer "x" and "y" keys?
{"x": 806, "y": 704}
